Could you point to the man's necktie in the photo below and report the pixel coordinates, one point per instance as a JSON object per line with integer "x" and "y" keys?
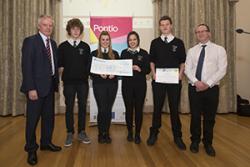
{"x": 200, "y": 63}
{"x": 49, "y": 54}
{"x": 74, "y": 44}
{"x": 165, "y": 39}
{"x": 105, "y": 50}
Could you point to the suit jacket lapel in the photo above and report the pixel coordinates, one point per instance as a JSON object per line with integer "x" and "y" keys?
{"x": 41, "y": 43}
{"x": 54, "y": 52}
{"x": 53, "y": 45}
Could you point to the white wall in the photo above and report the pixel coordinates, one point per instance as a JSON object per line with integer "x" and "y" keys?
{"x": 140, "y": 10}
{"x": 243, "y": 49}
{"x": 107, "y": 8}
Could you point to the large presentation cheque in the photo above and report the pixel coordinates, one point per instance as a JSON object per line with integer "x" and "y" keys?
{"x": 167, "y": 75}
{"x": 111, "y": 67}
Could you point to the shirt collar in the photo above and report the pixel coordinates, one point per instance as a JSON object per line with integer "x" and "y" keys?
{"x": 207, "y": 43}
{"x": 71, "y": 41}
{"x": 136, "y": 49}
{"x": 43, "y": 37}
{"x": 103, "y": 49}
{"x": 170, "y": 37}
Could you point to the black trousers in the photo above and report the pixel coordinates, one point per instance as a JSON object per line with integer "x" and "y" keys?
{"x": 42, "y": 107}
{"x": 206, "y": 102}
{"x": 105, "y": 95}
{"x": 134, "y": 97}
{"x": 173, "y": 93}
{"x": 70, "y": 92}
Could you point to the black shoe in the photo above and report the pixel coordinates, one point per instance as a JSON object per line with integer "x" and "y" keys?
{"x": 101, "y": 139}
{"x": 210, "y": 150}
{"x": 32, "y": 158}
{"x": 51, "y": 147}
{"x": 152, "y": 137}
{"x": 194, "y": 147}
{"x": 108, "y": 139}
{"x": 130, "y": 136}
{"x": 137, "y": 139}
{"x": 180, "y": 144}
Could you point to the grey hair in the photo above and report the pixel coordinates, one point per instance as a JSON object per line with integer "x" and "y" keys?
{"x": 41, "y": 17}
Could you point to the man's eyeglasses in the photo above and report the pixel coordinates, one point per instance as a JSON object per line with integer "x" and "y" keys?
{"x": 198, "y": 32}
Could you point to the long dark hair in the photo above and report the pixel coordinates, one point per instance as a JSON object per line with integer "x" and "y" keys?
{"x": 137, "y": 36}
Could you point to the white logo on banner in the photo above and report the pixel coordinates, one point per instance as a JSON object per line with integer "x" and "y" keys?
{"x": 109, "y": 28}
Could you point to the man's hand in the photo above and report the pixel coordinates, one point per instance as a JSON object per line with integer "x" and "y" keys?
{"x": 33, "y": 95}
{"x": 201, "y": 86}
{"x": 181, "y": 76}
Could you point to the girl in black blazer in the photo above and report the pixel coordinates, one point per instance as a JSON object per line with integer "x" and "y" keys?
{"x": 134, "y": 88}
{"x": 105, "y": 88}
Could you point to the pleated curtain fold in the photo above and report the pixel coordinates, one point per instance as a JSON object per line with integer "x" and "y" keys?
{"x": 18, "y": 19}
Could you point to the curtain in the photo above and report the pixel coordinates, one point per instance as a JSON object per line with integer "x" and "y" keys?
{"x": 18, "y": 19}
{"x": 220, "y": 16}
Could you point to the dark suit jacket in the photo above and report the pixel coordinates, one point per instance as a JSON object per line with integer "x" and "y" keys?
{"x": 36, "y": 67}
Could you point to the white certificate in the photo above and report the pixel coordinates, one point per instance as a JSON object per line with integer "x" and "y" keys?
{"x": 111, "y": 67}
{"x": 167, "y": 75}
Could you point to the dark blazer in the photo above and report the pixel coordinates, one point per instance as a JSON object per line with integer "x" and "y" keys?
{"x": 36, "y": 67}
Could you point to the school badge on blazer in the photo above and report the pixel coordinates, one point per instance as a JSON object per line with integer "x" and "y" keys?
{"x": 81, "y": 51}
{"x": 174, "y": 47}
{"x": 139, "y": 57}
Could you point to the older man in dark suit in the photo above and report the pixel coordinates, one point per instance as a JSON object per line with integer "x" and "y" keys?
{"x": 40, "y": 81}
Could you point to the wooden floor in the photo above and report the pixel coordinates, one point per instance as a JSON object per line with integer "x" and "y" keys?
{"x": 231, "y": 141}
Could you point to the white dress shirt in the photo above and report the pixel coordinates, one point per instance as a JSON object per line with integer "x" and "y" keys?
{"x": 71, "y": 41}
{"x": 104, "y": 50}
{"x": 135, "y": 49}
{"x": 51, "y": 51}
{"x": 214, "y": 66}
{"x": 170, "y": 37}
